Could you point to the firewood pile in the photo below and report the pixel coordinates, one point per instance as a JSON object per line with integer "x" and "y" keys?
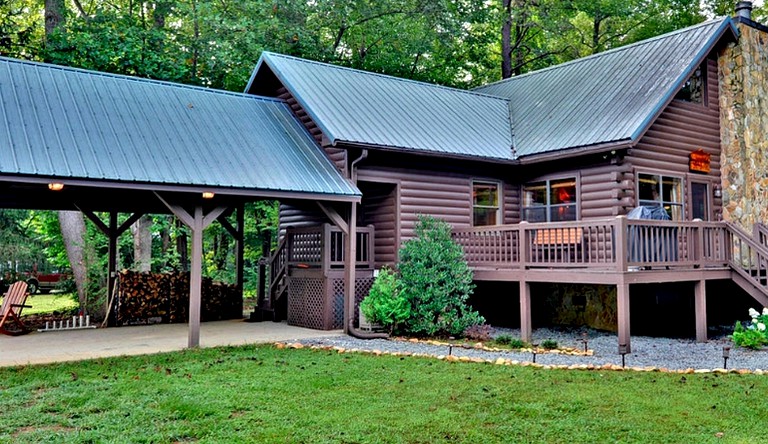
{"x": 144, "y": 298}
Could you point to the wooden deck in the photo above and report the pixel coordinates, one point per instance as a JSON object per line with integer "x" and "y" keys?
{"x": 618, "y": 252}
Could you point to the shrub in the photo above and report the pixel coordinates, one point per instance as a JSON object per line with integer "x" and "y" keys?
{"x": 436, "y": 281}
{"x": 755, "y": 334}
{"x": 480, "y": 332}
{"x": 384, "y": 304}
{"x": 511, "y": 342}
{"x": 549, "y": 344}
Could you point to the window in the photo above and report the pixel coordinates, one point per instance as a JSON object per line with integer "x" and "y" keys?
{"x": 693, "y": 90}
{"x": 665, "y": 191}
{"x": 485, "y": 204}
{"x": 550, "y": 201}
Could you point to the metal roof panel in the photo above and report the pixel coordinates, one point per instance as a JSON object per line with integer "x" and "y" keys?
{"x": 60, "y": 122}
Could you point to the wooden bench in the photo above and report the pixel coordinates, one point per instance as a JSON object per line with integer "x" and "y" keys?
{"x": 557, "y": 244}
{"x": 10, "y": 311}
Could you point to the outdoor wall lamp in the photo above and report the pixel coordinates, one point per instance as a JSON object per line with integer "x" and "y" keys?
{"x": 717, "y": 191}
{"x": 208, "y": 195}
{"x": 56, "y": 186}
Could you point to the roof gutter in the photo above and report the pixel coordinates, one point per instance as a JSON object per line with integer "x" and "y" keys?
{"x": 413, "y": 151}
{"x": 571, "y": 152}
{"x": 351, "y": 329}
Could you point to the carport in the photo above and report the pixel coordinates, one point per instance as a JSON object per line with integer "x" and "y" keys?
{"x": 81, "y": 140}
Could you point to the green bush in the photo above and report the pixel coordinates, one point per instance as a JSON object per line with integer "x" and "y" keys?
{"x": 436, "y": 281}
{"x": 549, "y": 344}
{"x": 384, "y": 304}
{"x": 509, "y": 341}
{"x": 755, "y": 334}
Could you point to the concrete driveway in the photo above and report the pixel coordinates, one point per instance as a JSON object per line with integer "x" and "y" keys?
{"x": 75, "y": 345}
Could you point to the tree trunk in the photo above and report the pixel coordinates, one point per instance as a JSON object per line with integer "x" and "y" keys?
{"x": 73, "y": 232}
{"x": 182, "y": 246}
{"x": 54, "y": 15}
{"x": 142, "y": 244}
{"x": 506, "y": 41}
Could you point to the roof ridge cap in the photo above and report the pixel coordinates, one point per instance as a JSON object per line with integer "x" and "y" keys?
{"x": 137, "y": 79}
{"x": 387, "y": 76}
{"x": 608, "y": 52}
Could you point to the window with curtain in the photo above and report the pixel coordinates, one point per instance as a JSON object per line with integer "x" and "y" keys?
{"x": 664, "y": 191}
{"x": 550, "y": 200}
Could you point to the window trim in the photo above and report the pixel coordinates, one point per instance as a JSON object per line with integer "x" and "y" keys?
{"x": 704, "y": 86}
{"x": 500, "y": 206}
{"x": 661, "y": 173}
{"x": 576, "y": 176}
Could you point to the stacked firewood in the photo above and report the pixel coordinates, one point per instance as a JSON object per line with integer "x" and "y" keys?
{"x": 164, "y": 298}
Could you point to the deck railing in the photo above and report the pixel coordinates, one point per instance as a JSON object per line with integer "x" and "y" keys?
{"x": 323, "y": 247}
{"x": 615, "y": 244}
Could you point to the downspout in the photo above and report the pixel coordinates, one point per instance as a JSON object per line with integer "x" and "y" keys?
{"x": 354, "y": 332}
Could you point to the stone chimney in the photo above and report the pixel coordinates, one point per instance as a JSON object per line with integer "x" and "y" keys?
{"x": 744, "y": 10}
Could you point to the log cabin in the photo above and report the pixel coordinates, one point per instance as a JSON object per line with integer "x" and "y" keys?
{"x": 538, "y": 175}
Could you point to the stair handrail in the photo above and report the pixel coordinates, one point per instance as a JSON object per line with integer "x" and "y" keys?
{"x": 278, "y": 265}
{"x": 761, "y": 233}
{"x": 761, "y": 250}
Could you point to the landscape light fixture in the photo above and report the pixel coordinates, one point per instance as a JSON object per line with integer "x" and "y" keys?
{"x": 623, "y": 352}
{"x": 55, "y": 186}
{"x": 726, "y": 355}
{"x": 208, "y": 195}
{"x": 584, "y": 339}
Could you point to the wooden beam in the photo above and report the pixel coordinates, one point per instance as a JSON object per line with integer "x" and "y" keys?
{"x": 212, "y": 216}
{"x": 178, "y": 211}
{"x": 130, "y": 221}
{"x": 622, "y": 304}
{"x": 349, "y": 269}
{"x": 112, "y": 236}
{"x": 95, "y": 219}
{"x": 700, "y": 296}
{"x": 236, "y": 233}
{"x": 526, "y": 329}
{"x": 335, "y": 217}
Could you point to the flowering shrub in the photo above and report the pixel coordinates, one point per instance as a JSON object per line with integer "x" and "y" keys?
{"x": 754, "y": 335}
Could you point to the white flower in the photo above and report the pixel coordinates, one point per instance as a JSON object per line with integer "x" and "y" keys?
{"x": 755, "y": 321}
{"x": 753, "y": 313}
{"x": 765, "y": 311}
{"x": 761, "y": 326}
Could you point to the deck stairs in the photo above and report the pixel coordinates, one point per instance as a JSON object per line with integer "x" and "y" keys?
{"x": 749, "y": 260}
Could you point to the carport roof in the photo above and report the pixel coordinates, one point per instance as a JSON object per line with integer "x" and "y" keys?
{"x": 92, "y": 127}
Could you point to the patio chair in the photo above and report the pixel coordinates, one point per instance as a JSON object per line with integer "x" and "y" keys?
{"x": 13, "y": 303}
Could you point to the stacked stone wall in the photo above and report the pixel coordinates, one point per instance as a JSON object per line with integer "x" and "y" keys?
{"x": 743, "y": 71}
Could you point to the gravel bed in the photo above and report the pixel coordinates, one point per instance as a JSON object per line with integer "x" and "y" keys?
{"x": 673, "y": 354}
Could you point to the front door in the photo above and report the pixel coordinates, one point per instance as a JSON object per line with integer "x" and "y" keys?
{"x": 700, "y": 200}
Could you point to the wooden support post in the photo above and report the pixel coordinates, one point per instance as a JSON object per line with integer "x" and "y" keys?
{"x": 266, "y": 244}
{"x": 525, "y": 311}
{"x": 196, "y": 278}
{"x": 112, "y": 235}
{"x": 621, "y": 246}
{"x": 700, "y": 295}
{"x": 349, "y": 268}
{"x": 622, "y": 304}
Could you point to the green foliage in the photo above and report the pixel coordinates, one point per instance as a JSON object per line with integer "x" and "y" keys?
{"x": 385, "y": 305}
{"x": 549, "y": 344}
{"x": 755, "y": 334}
{"x": 511, "y": 342}
{"x": 437, "y": 282}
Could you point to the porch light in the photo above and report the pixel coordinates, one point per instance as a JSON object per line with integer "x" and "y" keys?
{"x": 717, "y": 191}
{"x": 208, "y": 195}
{"x": 55, "y": 186}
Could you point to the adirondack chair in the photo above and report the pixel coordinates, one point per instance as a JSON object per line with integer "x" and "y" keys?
{"x": 10, "y": 311}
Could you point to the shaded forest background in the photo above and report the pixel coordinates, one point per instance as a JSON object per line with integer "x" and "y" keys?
{"x": 216, "y": 43}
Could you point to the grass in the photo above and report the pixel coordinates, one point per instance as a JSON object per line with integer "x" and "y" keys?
{"x": 48, "y": 303}
{"x": 262, "y": 394}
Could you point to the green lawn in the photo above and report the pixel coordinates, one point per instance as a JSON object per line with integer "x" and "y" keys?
{"x": 262, "y": 394}
{"x": 48, "y": 303}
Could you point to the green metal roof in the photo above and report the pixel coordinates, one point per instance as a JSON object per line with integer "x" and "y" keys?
{"x": 358, "y": 107}
{"x": 610, "y": 97}
{"x": 603, "y": 100}
{"x": 60, "y": 122}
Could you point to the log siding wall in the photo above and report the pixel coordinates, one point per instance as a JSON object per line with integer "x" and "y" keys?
{"x": 681, "y": 129}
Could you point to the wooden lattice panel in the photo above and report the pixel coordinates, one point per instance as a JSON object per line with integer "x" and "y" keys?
{"x": 306, "y": 298}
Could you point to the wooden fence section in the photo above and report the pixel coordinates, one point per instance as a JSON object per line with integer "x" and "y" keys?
{"x": 322, "y": 246}
{"x": 617, "y": 244}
